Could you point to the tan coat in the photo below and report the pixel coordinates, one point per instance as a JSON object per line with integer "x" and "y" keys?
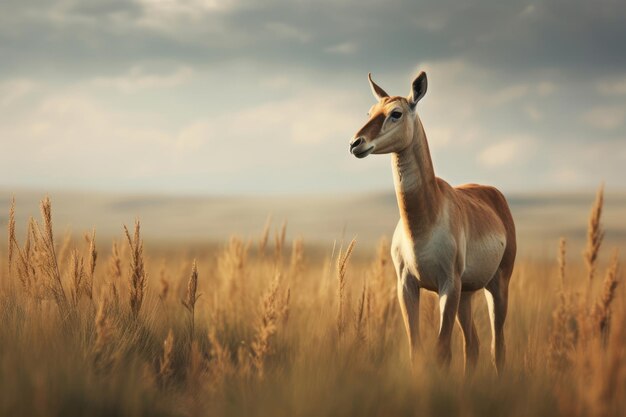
{"x": 451, "y": 240}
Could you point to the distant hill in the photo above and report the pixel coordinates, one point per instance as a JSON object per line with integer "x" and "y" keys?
{"x": 541, "y": 218}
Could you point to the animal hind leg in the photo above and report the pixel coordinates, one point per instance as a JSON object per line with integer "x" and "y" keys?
{"x": 497, "y": 295}
{"x": 470, "y": 335}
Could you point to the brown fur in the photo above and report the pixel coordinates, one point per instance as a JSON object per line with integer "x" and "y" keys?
{"x": 372, "y": 128}
{"x": 419, "y": 210}
{"x": 490, "y": 198}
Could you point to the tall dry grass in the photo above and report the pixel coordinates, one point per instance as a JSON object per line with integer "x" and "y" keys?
{"x": 289, "y": 333}
{"x": 138, "y": 278}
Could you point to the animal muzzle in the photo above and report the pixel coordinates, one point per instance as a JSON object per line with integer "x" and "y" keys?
{"x": 360, "y": 148}
{"x": 355, "y": 143}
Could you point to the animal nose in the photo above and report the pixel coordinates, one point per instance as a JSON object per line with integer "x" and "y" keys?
{"x": 356, "y": 142}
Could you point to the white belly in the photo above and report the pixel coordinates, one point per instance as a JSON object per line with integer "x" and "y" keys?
{"x": 482, "y": 259}
{"x": 433, "y": 262}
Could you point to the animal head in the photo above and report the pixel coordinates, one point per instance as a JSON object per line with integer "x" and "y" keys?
{"x": 391, "y": 121}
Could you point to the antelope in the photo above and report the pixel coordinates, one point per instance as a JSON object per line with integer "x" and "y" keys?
{"x": 451, "y": 240}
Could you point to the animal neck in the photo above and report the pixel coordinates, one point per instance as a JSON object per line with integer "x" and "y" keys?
{"x": 417, "y": 192}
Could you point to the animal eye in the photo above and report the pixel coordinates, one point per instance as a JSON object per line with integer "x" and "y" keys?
{"x": 396, "y": 115}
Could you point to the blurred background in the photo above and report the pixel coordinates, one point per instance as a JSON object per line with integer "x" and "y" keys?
{"x": 204, "y": 117}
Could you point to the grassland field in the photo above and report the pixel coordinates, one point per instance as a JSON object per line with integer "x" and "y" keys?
{"x": 207, "y": 309}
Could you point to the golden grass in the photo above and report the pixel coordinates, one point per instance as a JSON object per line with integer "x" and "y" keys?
{"x": 138, "y": 278}
{"x": 342, "y": 266}
{"x": 191, "y": 297}
{"x": 290, "y": 334}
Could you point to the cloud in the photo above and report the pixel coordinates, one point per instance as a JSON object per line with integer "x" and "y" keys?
{"x": 15, "y": 89}
{"x": 70, "y": 138}
{"x": 567, "y": 176}
{"x": 606, "y": 117}
{"x": 546, "y": 88}
{"x": 310, "y": 120}
{"x": 506, "y": 152}
{"x": 580, "y": 166}
{"x": 513, "y": 37}
{"x": 276, "y": 82}
{"x": 529, "y": 11}
{"x": 201, "y": 88}
{"x": 73, "y": 139}
{"x": 195, "y": 135}
{"x": 440, "y": 136}
{"x": 287, "y": 31}
{"x": 509, "y": 94}
{"x": 615, "y": 86}
{"x": 533, "y": 113}
{"x": 137, "y": 79}
{"x": 189, "y": 7}
{"x": 344, "y": 48}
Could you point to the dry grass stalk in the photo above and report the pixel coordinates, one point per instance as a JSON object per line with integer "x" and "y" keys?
{"x": 602, "y": 309}
{"x": 561, "y": 260}
{"x": 563, "y": 336}
{"x": 164, "y": 282}
{"x": 197, "y": 369}
{"x": 601, "y": 375}
{"x": 581, "y": 329}
{"x": 44, "y": 249}
{"x": 585, "y": 329}
{"x": 245, "y": 363}
{"x": 166, "y": 369}
{"x": 220, "y": 364}
{"x": 342, "y": 265}
{"x": 77, "y": 274}
{"x": 103, "y": 354}
{"x": 613, "y": 380}
{"x": 138, "y": 276}
{"x": 24, "y": 266}
{"x": 564, "y": 329}
{"x": 115, "y": 263}
{"x": 382, "y": 292}
{"x": 586, "y": 326}
{"x": 265, "y": 236}
{"x": 361, "y": 313}
{"x": 191, "y": 297}
{"x": 270, "y": 313}
{"x": 296, "y": 265}
{"x": 165, "y": 288}
{"x": 595, "y": 235}
{"x": 91, "y": 265}
{"x": 279, "y": 244}
{"x": 284, "y": 306}
{"x": 103, "y": 333}
{"x": 11, "y": 233}
{"x": 113, "y": 295}
{"x": 65, "y": 248}
{"x": 231, "y": 266}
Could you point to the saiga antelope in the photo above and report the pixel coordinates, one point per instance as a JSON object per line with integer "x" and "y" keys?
{"x": 452, "y": 240}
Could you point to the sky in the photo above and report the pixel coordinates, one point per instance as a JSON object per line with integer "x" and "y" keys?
{"x": 263, "y": 97}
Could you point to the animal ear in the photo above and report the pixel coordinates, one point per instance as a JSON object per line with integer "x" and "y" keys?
{"x": 378, "y": 92}
{"x": 418, "y": 90}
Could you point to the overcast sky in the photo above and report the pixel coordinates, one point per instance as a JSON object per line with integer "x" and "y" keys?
{"x": 251, "y": 96}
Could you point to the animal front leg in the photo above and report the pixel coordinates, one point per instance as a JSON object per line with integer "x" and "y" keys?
{"x": 449, "y": 297}
{"x": 409, "y": 299}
